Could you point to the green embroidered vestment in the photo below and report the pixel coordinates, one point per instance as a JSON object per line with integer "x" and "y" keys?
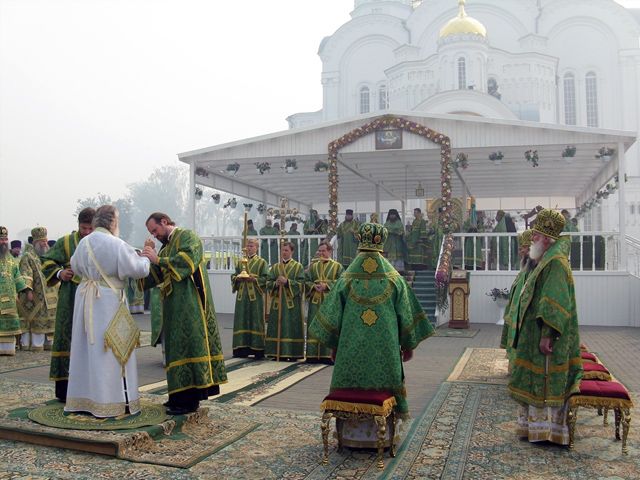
{"x": 248, "y": 318}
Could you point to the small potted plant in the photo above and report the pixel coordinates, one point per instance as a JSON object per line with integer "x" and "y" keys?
{"x": 233, "y": 168}
{"x": 461, "y": 161}
{"x": 496, "y": 157}
{"x": 198, "y": 193}
{"x": 202, "y": 172}
{"x": 247, "y": 206}
{"x": 532, "y": 157}
{"x": 261, "y": 208}
{"x": 232, "y": 202}
{"x": 321, "y": 166}
{"x": 605, "y": 154}
{"x": 263, "y": 167}
{"x": 216, "y": 198}
{"x": 568, "y": 153}
{"x": 290, "y": 164}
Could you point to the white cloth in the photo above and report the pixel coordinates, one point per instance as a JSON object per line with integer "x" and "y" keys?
{"x": 33, "y": 340}
{"x": 96, "y": 384}
{"x": 539, "y": 424}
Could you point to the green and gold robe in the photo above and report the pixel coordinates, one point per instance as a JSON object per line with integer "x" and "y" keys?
{"x": 435, "y": 239}
{"x": 471, "y": 254}
{"x": 370, "y": 315}
{"x": 395, "y": 248}
{"x": 347, "y": 242}
{"x": 38, "y": 316}
{"x": 11, "y": 282}
{"x": 547, "y": 307}
{"x": 310, "y": 247}
{"x": 58, "y": 258}
{"x": 327, "y": 272}
{"x": 270, "y": 256}
{"x": 285, "y": 332}
{"x": 296, "y": 244}
{"x": 193, "y": 352}
{"x": 500, "y": 245}
{"x": 511, "y": 316}
{"x": 417, "y": 242}
{"x": 248, "y": 318}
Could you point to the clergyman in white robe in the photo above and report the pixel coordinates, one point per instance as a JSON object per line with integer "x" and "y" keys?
{"x": 96, "y": 381}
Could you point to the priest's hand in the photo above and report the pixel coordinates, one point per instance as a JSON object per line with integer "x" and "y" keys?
{"x": 29, "y": 295}
{"x": 546, "y": 346}
{"x": 407, "y": 355}
{"x": 151, "y": 254}
{"x": 150, "y": 243}
{"x": 282, "y": 281}
{"x": 66, "y": 274}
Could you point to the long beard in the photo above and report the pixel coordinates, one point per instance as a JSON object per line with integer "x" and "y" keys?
{"x": 4, "y": 250}
{"x": 536, "y": 250}
{"x": 527, "y": 264}
{"x": 41, "y": 249}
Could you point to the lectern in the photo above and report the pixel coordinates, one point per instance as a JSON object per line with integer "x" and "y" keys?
{"x": 459, "y": 299}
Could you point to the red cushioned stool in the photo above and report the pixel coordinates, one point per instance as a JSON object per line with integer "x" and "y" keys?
{"x": 588, "y": 357}
{"x": 598, "y": 394}
{"x": 347, "y": 404}
{"x": 595, "y": 371}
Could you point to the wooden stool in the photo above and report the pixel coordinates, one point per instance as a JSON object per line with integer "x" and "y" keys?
{"x": 347, "y": 404}
{"x": 600, "y": 394}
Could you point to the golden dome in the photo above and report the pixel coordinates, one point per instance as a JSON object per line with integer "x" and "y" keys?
{"x": 463, "y": 24}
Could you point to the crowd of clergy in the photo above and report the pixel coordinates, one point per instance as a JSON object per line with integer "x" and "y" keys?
{"x": 294, "y": 301}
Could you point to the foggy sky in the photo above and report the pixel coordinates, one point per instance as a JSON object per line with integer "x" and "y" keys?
{"x": 96, "y": 93}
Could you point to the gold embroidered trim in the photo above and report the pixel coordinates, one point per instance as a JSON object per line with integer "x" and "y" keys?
{"x": 372, "y": 301}
{"x": 185, "y": 361}
{"x": 369, "y": 317}
{"x": 552, "y": 368}
{"x": 100, "y": 409}
{"x": 596, "y": 402}
{"x": 188, "y": 260}
{"x": 383, "y": 410}
{"x": 369, "y": 265}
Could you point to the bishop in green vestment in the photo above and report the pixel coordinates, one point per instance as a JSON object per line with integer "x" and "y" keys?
{"x": 38, "y": 317}
{"x": 193, "y": 352}
{"x": 321, "y": 277}
{"x": 248, "y": 318}
{"x": 546, "y": 337}
{"x": 56, "y": 268}
{"x": 527, "y": 264}
{"x": 285, "y": 332}
{"x": 347, "y": 241}
{"x": 418, "y": 241}
{"x": 11, "y": 282}
{"x": 395, "y": 248}
{"x": 373, "y": 320}
{"x": 269, "y": 247}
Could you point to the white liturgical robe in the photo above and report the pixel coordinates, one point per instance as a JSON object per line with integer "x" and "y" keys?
{"x": 96, "y": 382}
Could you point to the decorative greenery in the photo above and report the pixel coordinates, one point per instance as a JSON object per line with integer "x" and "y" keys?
{"x": 261, "y": 208}
{"x": 233, "y": 168}
{"x": 321, "y": 166}
{"x": 461, "y": 161}
{"x": 605, "y": 152}
{"x": 569, "y": 151}
{"x": 496, "y": 293}
{"x": 496, "y": 156}
{"x": 263, "y": 167}
{"x": 248, "y": 206}
{"x": 198, "y": 193}
{"x": 532, "y": 157}
{"x": 232, "y": 202}
{"x": 290, "y": 163}
{"x": 202, "y": 172}
{"x": 600, "y": 195}
{"x": 216, "y": 197}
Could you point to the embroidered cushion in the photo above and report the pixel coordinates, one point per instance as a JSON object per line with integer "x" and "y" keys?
{"x": 372, "y": 397}
{"x": 595, "y": 388}
{"x": 588, "y": 357}
{"x": 595, "y": 371}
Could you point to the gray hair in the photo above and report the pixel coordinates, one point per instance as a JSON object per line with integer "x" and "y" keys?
{"x": 105, "y": 217}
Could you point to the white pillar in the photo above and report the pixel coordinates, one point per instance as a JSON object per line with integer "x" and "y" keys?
{"x": 622, "y": 204}
{"x": 192, "y": 196}
{"x": 378, "y": 212}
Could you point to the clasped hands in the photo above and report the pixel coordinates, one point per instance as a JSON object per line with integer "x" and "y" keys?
{"x": 320, "y": 287}
{"x": 546, "y": 345}
{"x": 149, "y": 251}
{"x": 282, "y": 281}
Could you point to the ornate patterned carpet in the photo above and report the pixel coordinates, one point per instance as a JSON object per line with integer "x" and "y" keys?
{"x": 466, "y": 432}
{"x": 482, "y": 365}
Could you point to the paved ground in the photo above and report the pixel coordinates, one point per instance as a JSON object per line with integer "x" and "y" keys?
{"x": 619, "y": 349}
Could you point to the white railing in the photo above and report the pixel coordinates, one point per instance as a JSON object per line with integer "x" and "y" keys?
{"x": 633, "y": 255}
{"x": 590, "y": 251}
{"x": 224, "y": 252}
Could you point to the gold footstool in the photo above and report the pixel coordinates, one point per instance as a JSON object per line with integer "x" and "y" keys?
{"x": 600, "y": 394}
{"x": 348, "y": 404}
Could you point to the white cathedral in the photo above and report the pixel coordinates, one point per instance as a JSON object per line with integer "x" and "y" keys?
{"x": 571, "y": 62}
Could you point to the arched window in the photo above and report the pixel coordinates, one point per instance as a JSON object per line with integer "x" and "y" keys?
{"x": 462, "y": 74}
{"x": 383, "y": 98}
{"x": 365, "y": 100}
{"x": 591, "y": 91}
{"x": 569, "y": 99}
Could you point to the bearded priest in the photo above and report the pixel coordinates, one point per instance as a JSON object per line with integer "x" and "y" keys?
{"x": 547, "y": 368}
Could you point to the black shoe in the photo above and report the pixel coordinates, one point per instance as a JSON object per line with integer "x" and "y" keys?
{"x": 167, "y": 404}
{"x": 175, "y": 410}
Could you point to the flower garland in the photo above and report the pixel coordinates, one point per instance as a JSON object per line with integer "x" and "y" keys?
{"x": 387, "y": 121}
